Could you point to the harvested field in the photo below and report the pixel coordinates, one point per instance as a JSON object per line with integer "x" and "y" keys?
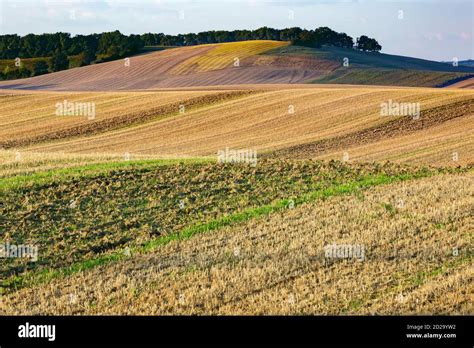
{"x": 225, "y": 55}
{"x": 246, "y": 62}
{"x": 131, "y": 214}
{"x": 396, "y": 128}
{"x": 448, "y": 144}
{"x": 203, "y": 65}
{"x": 145, "y": 71}
{"x": 79, "y": 218}
{"x": 29, "y": 119}
{"x": 296, "y": 122}
{"x": 416, "y": 260}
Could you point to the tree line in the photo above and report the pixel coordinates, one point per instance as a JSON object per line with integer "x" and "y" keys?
{"x": 112, "y": 44}
{"x": 313, "y": 38}
{"x": 59, "y": 51}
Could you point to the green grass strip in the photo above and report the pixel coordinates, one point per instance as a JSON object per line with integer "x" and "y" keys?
{"x": 215, "y": 224}
{"x": 86, "y": 171}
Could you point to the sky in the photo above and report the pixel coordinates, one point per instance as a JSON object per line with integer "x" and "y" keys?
{"x": 430, "y": 29}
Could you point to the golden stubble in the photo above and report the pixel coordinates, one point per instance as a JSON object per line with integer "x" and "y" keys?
{"x": 280, "y": 119}
{"x": 276, "y": 265}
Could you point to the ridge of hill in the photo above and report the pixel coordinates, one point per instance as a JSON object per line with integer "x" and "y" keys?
{"x": 247, "y": 62}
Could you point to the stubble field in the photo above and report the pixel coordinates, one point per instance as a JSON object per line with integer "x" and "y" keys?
{"x": 131, "y": 213}
{"x": 294, "y": 123}
{"x": 417, "y": 259}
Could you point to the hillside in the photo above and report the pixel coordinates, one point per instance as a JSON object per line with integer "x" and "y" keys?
{"x": 203, "y": 65}
{"x": 247, "y": 62}
{"x": 288, "y": 122}
{"x": 133, "y": 213}
{"x": 368, "y": 59}
{"x": 467, "y": 62}
{"x": 466, "y": 84}
{"x": 368, "y": 68}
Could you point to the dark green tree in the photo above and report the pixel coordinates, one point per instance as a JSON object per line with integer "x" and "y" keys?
{"x": 87, "y": 57}
{"x": 40, "y": 67}
{"x": 59, "y": 61}
{"x": 367, "y": 44}
{"x": 308, "y": 39}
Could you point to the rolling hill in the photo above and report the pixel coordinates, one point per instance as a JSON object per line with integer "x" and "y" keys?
{"x": 133, "y": 213}
{"x": 247, "y": 62}
{"x": 303, "y": 121}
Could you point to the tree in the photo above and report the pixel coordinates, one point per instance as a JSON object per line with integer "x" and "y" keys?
{"x": 290, "y": 34}
{"x": 367, "y": 44}
{"x": 325, "y": 36}
{"x": 343, "y": 40}
{"x": 242, "y": 35}
{"x": 23, "y": 71}
{"x": 113, "y": 52}
{"x": 308, "y": 39}
{"x": 203, "y": 38}
{"x": 40, "y": 67}
{"x": 87, "y": 57}
{"x": 59, "y": 61}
